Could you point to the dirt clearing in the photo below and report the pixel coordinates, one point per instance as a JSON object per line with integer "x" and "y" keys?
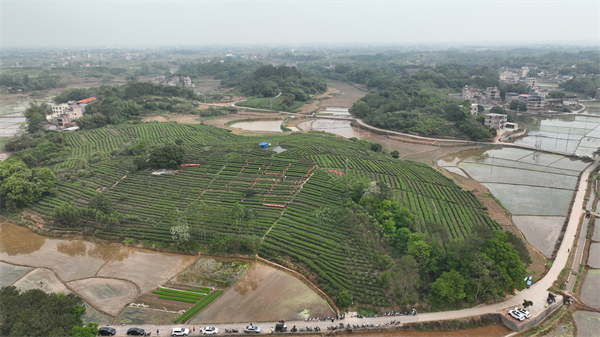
{"x": 108, "y": 295}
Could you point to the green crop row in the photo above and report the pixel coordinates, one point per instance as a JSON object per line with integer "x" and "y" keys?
{"x": 177, "y": 299}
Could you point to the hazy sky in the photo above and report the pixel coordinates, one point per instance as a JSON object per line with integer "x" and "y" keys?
{"x": 142, "y": 23}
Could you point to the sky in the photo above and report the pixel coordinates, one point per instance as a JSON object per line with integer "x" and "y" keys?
{"x": 89, "y": 23}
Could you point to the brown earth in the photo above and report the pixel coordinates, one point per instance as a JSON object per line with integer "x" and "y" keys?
{"x": 154, "y": 301}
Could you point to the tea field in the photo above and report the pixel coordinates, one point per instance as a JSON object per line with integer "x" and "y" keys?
{"x": 281, "y": 195}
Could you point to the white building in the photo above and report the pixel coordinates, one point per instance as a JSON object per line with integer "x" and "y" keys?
{"x": 59, "y": 109}
{"x": 496, "y": 121}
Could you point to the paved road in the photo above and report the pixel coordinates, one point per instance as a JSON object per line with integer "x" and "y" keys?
{"x": 537, "y": 293}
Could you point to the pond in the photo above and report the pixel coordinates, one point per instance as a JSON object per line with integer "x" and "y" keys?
{"x": 338, "y": 127}
{"x": 273, "y": 126}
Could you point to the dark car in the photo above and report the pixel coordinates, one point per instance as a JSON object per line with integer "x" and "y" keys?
{"x": 106, "y": 331}
{"x": 135, "y": 332}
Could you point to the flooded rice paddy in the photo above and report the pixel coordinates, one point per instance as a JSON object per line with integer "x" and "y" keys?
{"x": 9, "y": 273}
{"x": 70, "y": 259}
{"x": 570, "y": 134}
{"x": 590, "y": 291}
{"x": 540, "y": 231}
{"x": 535, "y": 187}
{"x": 587, "y": 322}
{"x": 145, "y": 268}
{"x": 107, "y": 276}
{"x": 208, "y": 272}
{"x": 273, "y": 126}
{"x": 594, "y": 256}
{"x": 264, "y": 293}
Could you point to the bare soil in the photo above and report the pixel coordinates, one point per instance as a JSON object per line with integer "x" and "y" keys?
{"x": 108, "y": 295}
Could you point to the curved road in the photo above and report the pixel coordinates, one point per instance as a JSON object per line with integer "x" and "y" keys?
{"x": 537, "y": 293}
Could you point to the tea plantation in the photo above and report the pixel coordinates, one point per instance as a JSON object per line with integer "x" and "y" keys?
{"x": 288, "y": 207}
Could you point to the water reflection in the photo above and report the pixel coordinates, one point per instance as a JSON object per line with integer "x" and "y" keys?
{"x": 273, "y": 126}
{"x": 15, "y": 240}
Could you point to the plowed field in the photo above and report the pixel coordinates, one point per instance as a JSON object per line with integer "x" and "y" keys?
{"x": 109, "y": 295}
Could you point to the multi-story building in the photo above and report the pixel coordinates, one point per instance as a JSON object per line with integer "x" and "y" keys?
{"x": 535, "y": 103}
{"x": 469, "y": 92}
{"x": 59, "y": 109}
{"x": 523, "y": 71}
{"x": 187, "y": 82}
{"x": 496, "y": 121}
{"x": 511, "y": 96}
{"x": 493, "y": 93}
{"x": 532, "y": 82}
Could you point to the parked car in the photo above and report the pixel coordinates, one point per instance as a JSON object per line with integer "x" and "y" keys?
{"x": 252, "y": 328}
{"x": 106, "y": 331}
{"x": 180, "y": 332}
{"x": 135, "y": 332}
{"x": 280, "y": 327}
{"x": 523, "y": 312}
{"x": 210, "y": 330}
{"x": 516, "y": 315}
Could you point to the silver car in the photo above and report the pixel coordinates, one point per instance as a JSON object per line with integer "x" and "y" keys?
{"x": 252, "y": 328}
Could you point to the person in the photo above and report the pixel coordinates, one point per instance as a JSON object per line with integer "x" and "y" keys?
{"x": 157, "y": 332}
{"x": 194, "y": 329}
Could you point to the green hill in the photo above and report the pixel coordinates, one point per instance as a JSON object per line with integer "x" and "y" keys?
{"x": 370, "y": 247}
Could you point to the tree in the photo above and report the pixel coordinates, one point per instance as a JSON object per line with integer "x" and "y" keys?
{"x": 66, "y": 214}
{"x": 360, "y": 109}
{"x": 480, "y": 108}
{"x": 395, "y": 154}
{"x": 376, "y": 147}
{"x": 101, "y": 203}
{"x": 168, "y": 156}
{"x": 91, "y": 330}
{"x": 343, "y": 299}
{"x": 557, "y": 94}
{"x": 448, "y": 288}
{"x": 498, "y": 110}
{"x": 527, "y": 304}
{"x": 513, "y": 105}
{"x": 506, "y": 261}
{"x": 36, "y": 117}
{"x": 36, "y": 313}
{"x": 405, "y": 280}
{"x": 384, "y": 280}
{"x": 454, "y": 113}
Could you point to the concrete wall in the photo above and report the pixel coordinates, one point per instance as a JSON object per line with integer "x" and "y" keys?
{"x": 531, "y": 322}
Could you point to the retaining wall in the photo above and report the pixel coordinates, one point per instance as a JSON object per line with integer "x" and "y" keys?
{"x": 531, "y": 323}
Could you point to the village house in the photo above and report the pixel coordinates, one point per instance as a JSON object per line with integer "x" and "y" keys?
{"x": 495, "y": 121}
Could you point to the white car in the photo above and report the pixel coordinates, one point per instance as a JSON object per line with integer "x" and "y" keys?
{"x": 180, "y": 332}
{"x": 251, "y": 329}
{"x": 517, "y": 315}
{"x": 523, "y": 312}
{"x": 210, "y": 330}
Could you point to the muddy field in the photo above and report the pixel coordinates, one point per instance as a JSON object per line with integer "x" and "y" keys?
{"x": 94, "y": 316}
{"x": 9, "y": 273}
{"x": 43, "y": 279}
{"x": 133, "y": 316}
{"x": 588, "y": 323}
{"x": 140, "y": 267}
{"x": 264, "y": 293}
{"x": 346, "y": 96}
{"x": 70, "y": 259}
{"x": 108, "y": 295}
{"x": 493, "y": 330}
